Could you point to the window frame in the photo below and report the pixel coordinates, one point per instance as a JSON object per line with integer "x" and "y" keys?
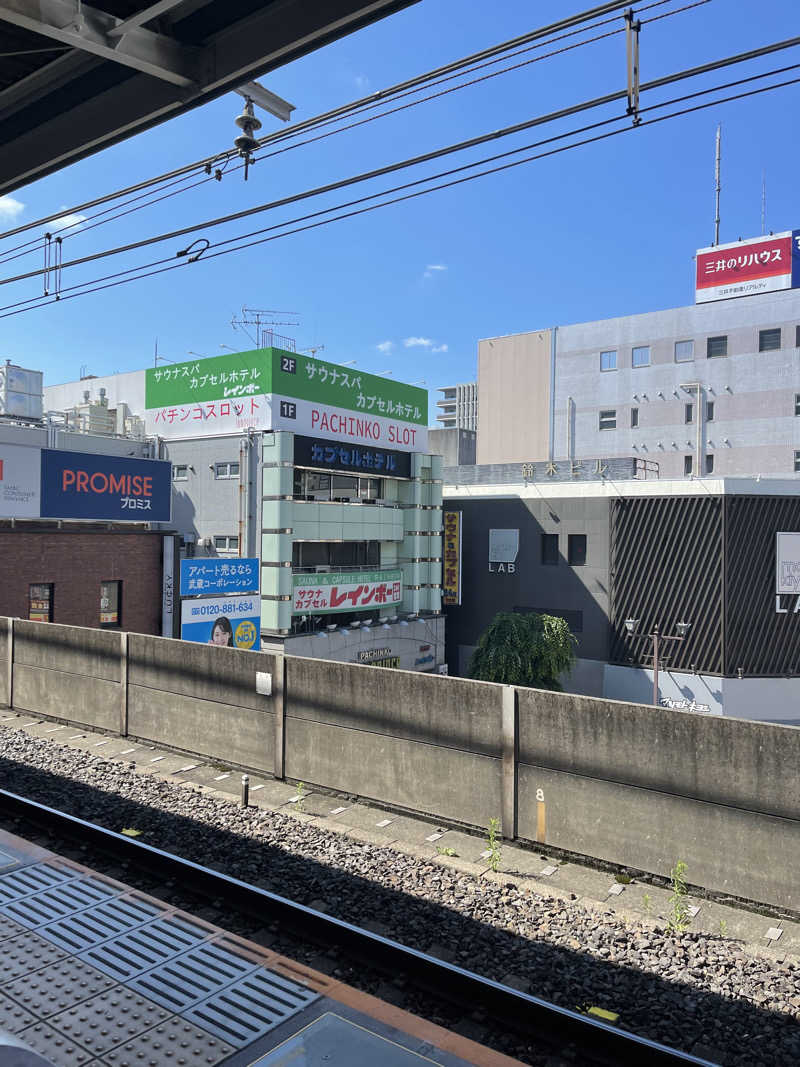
{"x": 184, "y": 467}
{"x": 640, "y": 348}
{"x": 117, "y": 623}
{"x": 709, "y": 410}
{"x": 797, "y": 404}
{"x": 228, "y": 538}
{"x": 690, "y": 359}
{"x": 51, "y": 588}
{"x": 608, "y": 352}
{"x": 226, "y": 465}
{"x": 634, "y": 418}
{"x": 572, "y": 541}
{"x": 688, "y": 465}
{"x": 549, "y": 539}
{"x": 611, "y": 416}
{"x": 765, "y": 334}
{"x": 688, "y": 414}
{"x": 709, "y": 463}
{"x": 723, "y": 337}
{"x": 797, "y": 461}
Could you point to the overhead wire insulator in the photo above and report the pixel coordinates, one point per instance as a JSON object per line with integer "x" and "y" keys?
{"x": 246, "y": 143}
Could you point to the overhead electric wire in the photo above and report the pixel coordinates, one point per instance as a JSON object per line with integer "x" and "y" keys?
{"x": 146, "y": 271}
{"x": 416, "y": 160}
{"x": 373, "y": 100}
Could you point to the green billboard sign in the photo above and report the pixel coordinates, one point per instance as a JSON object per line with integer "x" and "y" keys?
{"x": 324, "y": 594}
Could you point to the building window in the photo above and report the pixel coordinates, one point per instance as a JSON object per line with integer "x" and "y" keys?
{"x": 716, "y": 346}
{"x": 226, "y": 543}
{"x": 684, "y": 351}
{"x": 180, "y": 472}
{"x": 346, "y": 488}
{"x": 634, "y": 418}
{"x": 226, "y": 470}
{"x": 549, "y": 549}
{"x": 797, "y": 336}
{"x": 111, "y": 603}
{"x": 333, "y": 555}
{"x": 687, "y": 464}
{"x": 608, "y": 361}
{"x": 769, "y": 340}
{"x": 40, "y": 603}
{"x": 797, "y": 403}
{"x": 640, "y": 357}
{"x": 576, "y": 547}
{"x": 608, "y": 420}
{"x": 709, "y": 411}
{"x": 688, "y": 413}
{"x": 709, "y": 463}
{"x": 796, "y": 462}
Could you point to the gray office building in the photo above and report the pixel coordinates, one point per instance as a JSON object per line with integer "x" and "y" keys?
{"x": 709, "y": 390}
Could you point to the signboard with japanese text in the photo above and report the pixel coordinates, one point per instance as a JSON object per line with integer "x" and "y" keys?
{"x": 81, "y": 485}
{"x": 355, "y": 459}
{"x": 270, "y": 389}
{"x": 451, "y": 584}
{"x": 233, "y": 621}
{"x": 323, "y": 594}
{"x": 20, "y": 482}
{"x": 210, "y": 575}
{"x": 787, "y": 556}
{"x": 746, "y": 268}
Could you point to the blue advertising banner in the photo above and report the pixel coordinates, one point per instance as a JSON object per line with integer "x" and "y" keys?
{"x": 79, "y": 485}
{"x": 208, "y": 575}
{"x": 233, "y": 621}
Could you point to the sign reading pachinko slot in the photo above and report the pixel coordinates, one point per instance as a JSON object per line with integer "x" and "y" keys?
{"x": 746, "y": 268}
{"x": 234, "y": 621}
{"x": 323, "y": 594}
{"x": 270, "y": 389}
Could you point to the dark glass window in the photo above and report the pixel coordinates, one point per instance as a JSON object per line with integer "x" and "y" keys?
{"x": 709, "y": 464}
{"x": 797, "y": 461}
{"x": 335, "y": 554}
{"x": 576, "y": 546}
{"x": 608, "y": 420}
{"x": 687, "y": 464}
{"x": 111, "y": 603}
{"x": 549, "y": 549}
{"x": 634, "y": 418}
{"x": 40, "y": 603}
{"x": 769, "y": 340}
{"x": 716, "y": 346}
{"x": 709, "y": 411}
{"x": 688, "y": 413}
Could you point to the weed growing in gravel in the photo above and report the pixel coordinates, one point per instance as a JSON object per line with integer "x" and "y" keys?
{"x": 723, "y": 928}
{"x": 679, "y": 918}
{"x": 301, "y": 795}
{"x": 493, "y": 844}
{"x": 623, "y": 879}
{"x": 647, "y": 903}
{"x": 442, "y": 851}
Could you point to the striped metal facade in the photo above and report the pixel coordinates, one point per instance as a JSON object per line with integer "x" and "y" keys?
{"x": 709, "y": 561}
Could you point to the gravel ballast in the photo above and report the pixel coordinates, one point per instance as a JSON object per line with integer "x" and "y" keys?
{"x": 700, "y": 993}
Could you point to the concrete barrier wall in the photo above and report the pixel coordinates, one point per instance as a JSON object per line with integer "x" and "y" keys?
{"x": 417, "y": 741}
{"x": 628, "y": 784}
{"x": 202, "y": 699}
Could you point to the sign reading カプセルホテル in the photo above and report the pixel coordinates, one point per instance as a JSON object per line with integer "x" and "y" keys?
{"x": 270, "y": 389}
{"x": 355, "y": 459}
{"x": 323, "y": 594}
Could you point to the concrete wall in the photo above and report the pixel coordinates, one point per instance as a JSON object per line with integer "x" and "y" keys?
{"x": 514, "y": 398}
{"x": 636, "y": 786}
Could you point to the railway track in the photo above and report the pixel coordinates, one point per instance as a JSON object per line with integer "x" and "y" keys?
{"x": 421, "y": 983}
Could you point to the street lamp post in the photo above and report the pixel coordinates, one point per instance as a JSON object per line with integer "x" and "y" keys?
{"x": 681, "y": 627}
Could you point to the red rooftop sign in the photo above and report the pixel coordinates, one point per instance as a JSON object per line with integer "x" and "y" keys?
{"x": 746, "y": 268}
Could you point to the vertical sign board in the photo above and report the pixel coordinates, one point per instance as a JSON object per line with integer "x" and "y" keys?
{"x": 451, "y": 586}
{"x": 20, "y": 482}
{"x": 746, "y": 268}
{"x": 233, "y": 621}
{"x": 269, "y": 389}
{"x": 787, "y": 571}
{"x": 168, "y": 588}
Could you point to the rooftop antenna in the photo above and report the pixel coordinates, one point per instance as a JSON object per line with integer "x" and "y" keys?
{"x": 763, "y": 203}
{"x": 717, "y": 169}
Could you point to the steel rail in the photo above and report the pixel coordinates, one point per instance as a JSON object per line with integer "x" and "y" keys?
{"x": 520, "y": 1012}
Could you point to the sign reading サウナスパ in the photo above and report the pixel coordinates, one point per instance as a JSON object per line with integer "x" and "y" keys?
{"x": 322, "y": 594}
{"x": 269, "y": 389}
{"x": 746, "y": 268}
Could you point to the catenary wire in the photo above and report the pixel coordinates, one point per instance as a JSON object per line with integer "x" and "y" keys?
{"x": 119, "y": 279}
{"x": 373, "y": 100}
{"x": 419, "y": 159}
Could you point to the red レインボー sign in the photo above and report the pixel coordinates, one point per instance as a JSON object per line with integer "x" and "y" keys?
{"x": 744, "y": 268}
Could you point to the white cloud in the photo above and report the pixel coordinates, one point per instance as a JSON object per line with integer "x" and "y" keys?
{"x": 10, "y": 208}
{"x": 434, "y": 268}
{"x": 70, "y": 220}
{"x": 418, "y": 342}
{"x": 362, "y": 82}
{"x": 385, "y": 346}
{"x": 439, "y": 348}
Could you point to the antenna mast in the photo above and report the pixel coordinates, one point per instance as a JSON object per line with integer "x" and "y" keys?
{"x": 763, "y": 202}
{"x": 717, "y": 169}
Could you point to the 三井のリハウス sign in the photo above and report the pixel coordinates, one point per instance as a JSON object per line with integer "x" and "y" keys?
{"x": 747, "y": 268}
{"x": 232, "y": 621}
{"x": 80, "y": 485}
{"x": 269, "y": 389}
{"x": 323, "y": 594}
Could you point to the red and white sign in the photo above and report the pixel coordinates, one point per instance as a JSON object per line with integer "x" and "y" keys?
{"x": 744, "y": 268}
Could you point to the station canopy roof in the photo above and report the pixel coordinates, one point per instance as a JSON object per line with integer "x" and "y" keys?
{"x": 75, "y": 77}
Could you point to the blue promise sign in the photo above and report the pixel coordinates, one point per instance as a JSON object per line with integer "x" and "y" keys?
{"x": 80, "y": 485}
{"x": 207, "y": 576}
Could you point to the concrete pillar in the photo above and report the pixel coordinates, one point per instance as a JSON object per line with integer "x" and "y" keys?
{"x": 123, "y": 679}
{"x": 279, "y": 710}
{"x": 510, "y": 750}
{"x": 9, "y": 693}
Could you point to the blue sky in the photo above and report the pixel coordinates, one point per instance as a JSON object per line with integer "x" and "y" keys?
{"x": 603, "y": 230}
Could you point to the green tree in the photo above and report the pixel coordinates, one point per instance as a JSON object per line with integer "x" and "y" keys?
{"x": 530, "y": 650}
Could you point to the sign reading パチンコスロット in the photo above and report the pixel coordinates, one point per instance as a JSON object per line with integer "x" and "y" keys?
{"x": 232, "y": 621}
{"x": 323, "y": 594}
{"x": 270, "y": 389}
